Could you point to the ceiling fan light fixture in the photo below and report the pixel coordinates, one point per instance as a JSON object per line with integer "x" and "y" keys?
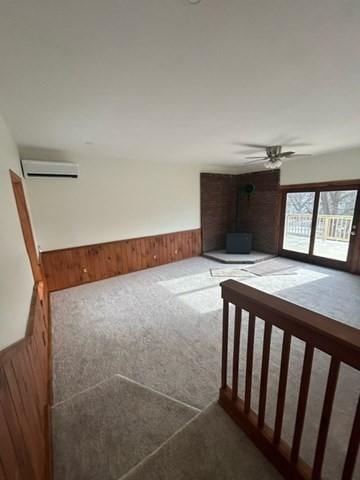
{"x": 272, "y": 164}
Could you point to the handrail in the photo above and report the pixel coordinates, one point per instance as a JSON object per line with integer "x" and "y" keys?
{"x": 322, "y": 332}
{"x": 340, "y": 341}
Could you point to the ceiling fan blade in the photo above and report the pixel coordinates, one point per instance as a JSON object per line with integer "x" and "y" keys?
{"x": 295, "y": 156}
{"x": 251, "y": 145}
{"x": 260, "y": 158}
{"x": 302, "y": 155}
{"x": 298, "y": 155}
{"x": 290, "y": 144}
{"x": 247, "y": 152}
{"x": 256, "y": 161}
{"x": 286, "y": 154}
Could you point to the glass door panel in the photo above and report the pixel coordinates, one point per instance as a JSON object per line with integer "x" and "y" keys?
{"x": 334, "y": 224}
{"x": 299, "y": 212}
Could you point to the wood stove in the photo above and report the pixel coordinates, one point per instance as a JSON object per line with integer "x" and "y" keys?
{"x": 238, "y": 242}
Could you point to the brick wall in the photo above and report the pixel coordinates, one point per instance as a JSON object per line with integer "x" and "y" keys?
{"x": 260, "y": 214}
{"x": 218, "y": 208}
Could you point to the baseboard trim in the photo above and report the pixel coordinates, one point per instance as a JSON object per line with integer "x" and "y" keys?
{"x": 69, "y": 267}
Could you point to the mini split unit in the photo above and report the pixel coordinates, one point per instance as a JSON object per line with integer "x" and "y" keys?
{"x": 39, "y": 168}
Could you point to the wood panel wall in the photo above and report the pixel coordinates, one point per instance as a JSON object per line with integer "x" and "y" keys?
{"x": 75, "y": 266}
{"x": 24, "y": 399}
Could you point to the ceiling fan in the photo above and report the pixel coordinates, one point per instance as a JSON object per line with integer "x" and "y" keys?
{"x": 274, "y": 155}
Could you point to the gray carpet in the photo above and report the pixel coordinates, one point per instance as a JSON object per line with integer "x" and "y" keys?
{"x": 277, "y": 266}
{"x": 104, "y": 431}
{"x": 238, "y": 273}
{"x": 143, "y": 326}
{"x": 162, "y": 328}
{"x": 211, "y": 447}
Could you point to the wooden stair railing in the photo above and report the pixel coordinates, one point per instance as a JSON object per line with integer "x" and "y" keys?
{"x": 341, "y": 342}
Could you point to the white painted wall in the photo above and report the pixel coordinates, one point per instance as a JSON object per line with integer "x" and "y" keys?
{"x": 341, "y": 165}
{"x": 16, "y": 281}
{"x": 114, "y": 200}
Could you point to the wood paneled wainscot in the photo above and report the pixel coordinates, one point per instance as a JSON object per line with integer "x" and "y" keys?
{"x": 75, "y": 266}
{"x": 24, "y": 398}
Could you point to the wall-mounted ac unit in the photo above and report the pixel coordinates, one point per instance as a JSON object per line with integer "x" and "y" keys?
{"x": 41, "y": 168}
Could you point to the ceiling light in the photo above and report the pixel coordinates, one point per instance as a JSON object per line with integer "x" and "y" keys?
{"x": 273, "y": 163}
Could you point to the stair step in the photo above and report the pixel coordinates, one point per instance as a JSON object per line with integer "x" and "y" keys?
{"x": 105, "y": 430}
{"x": 209, "y": 447}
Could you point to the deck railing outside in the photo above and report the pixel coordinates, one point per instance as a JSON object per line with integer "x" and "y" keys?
{"x": 341, "y": 342}
{"x": 329, "y": 227}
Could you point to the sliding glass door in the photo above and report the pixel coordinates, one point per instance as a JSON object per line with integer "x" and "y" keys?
{"x": 335, "y": 224}
{"x": 299, "y": 212}
{"x": 319, "y": 225}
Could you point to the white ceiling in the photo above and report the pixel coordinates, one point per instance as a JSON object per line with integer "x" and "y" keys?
{"x": 166, "y": 80}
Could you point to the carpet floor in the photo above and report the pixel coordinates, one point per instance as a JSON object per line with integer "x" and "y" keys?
{"x": 162, "y": 328}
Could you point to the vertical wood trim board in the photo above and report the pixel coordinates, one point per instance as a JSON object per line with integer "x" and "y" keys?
{"x": 75, "y": 266}
{"x": 24, "y": 399}
{"x": 25, "y": 224}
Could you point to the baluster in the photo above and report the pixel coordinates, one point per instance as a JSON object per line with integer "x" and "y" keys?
{"x": 302, "y": 402}
{"x": 225, "y": 344}
{"x": 348, "y": 229}
{"x": 237, "y": 331}
{"x": 264, "y": 373}
{"x": 325, "y": 417}
{"x": 282, "y": 387}
{"x": 344, "y": 236}
{"x": 353, "y": 447}
{"x": 249, "y": 361}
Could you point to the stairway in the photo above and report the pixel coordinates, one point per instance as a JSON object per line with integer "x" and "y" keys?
{"x": 209, "y": 447}
{"x": 120, "y": 429}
